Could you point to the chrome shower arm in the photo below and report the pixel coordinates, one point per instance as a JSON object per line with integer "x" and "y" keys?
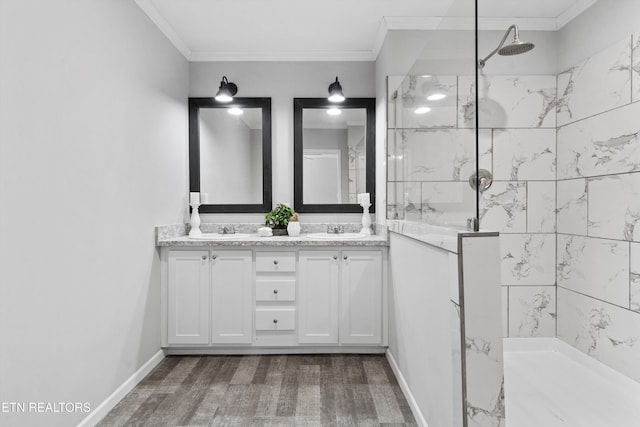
{"x": 504, "y": 38}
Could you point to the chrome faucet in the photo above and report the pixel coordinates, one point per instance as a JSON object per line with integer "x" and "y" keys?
{"x": 335, "y": 229}
{"x": 226, "y": 229}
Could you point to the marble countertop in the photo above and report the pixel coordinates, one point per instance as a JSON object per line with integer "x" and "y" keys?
{"x": 254, "y": 240}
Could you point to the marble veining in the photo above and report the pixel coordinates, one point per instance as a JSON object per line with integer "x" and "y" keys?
{"x": 635, "y": 67}
{"x": 614, "y": 207}
{"x": 528, "y": 259}
{"x": 447, "y": 203}
{"x": 572, "y": 207}
{"x": 606, "y": 332}
{"x": 508, "y": 101}
{"x": 532, "y": 311}
{"x": 604, "y": 144}
{"x": 524, "y": 154}
{"x": 503, "y": 207}
{"x": 599, "y": 83}
{"x": 437, "y": 154}
{"x": 541, "y": 207}
{"x": 595, "y": 267}
{"x": 634, "y": 277}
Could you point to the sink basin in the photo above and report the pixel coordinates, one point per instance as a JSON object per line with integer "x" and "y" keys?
{"x": 339, "y": 236}
{"x": 216, "y": 236}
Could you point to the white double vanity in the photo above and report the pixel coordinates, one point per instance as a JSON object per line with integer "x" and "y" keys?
{"x": 428, "y": 297}
{"x": 286, "y": 294}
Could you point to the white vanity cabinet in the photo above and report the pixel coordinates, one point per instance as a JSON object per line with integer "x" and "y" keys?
{"x": 208, "y": 297}
{"x": 340, "y": 297}
{"x": 361, "y": 297}
{"x": 216, "y": 298}
{"x": 318, "y": 298}
{"x": 188, "y": 289}
{"x": 231, "y": 299}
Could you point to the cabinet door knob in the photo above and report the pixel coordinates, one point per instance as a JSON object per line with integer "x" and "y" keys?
{"x": 344, "y": 257}
{"x": 214, "y": 257}
{"x": 275, "y": 291}
{"x": 275, "y": 262}
{"x": 204, "y": 257}
{"x": 275, "y": 321}
{"x": 335, "y": 257}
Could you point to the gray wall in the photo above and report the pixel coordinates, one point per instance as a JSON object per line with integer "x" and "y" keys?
{"x": 282, "y": 81}
{"x": 93, "y": 154}
{"x": 597, "y": 28}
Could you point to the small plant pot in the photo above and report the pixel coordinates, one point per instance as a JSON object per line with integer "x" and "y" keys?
{"x": 279, "y": 231}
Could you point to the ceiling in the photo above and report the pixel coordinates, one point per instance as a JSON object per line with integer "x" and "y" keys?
{"x": 332, "y": 30}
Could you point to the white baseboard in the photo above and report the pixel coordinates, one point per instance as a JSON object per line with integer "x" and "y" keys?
{"x": 110, "y": 402}
{"x": 417, "y": 413}
{"x": 231, "y": 350}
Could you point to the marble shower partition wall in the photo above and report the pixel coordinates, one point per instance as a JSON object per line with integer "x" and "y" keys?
{"x": 604, "y": 331}
{"x": 431, "y": 158}
{"x": 599, "y": 83}
{"x": 521, "y": 204}
{"x": 598, "y": 261}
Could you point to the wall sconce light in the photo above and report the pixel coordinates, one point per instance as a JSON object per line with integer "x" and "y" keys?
{"x": 226, "y": 90}
{"x": 335, "y": 92}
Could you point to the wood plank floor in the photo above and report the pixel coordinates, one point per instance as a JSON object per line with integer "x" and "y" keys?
{"x": 273, "y": 390}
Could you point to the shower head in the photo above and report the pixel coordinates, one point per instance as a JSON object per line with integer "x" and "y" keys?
{"x": 515, "y": 48}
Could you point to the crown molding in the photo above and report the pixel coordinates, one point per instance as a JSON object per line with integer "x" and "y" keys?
{"x": 573, "y": 11}
{"x": 388, "y": 23}
{"x": 156, "y": 17}
{"x": 266, "y": 56}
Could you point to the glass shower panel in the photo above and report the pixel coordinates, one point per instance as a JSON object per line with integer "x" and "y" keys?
{"x": 433, "y": 143}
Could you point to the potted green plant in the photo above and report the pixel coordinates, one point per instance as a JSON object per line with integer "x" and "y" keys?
{"x": 278, "y": 219}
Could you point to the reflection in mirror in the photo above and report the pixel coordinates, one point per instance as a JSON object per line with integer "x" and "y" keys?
{"x": 333, "y": 147}
{"x": 230, "y": 153}
{"x": 334, "y": 151}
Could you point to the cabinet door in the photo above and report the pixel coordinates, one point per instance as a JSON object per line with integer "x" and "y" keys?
{"x": 361, "y": 295}
{"x": 232, "y": 302}
{"x": 188, "y": 297}
{"x": 318, "y": 297}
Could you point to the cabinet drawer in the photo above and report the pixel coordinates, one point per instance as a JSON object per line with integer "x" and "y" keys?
{"x": 275, "y": 290}
{"x": 275, "y": 261}
{"x": 283, "y": 319}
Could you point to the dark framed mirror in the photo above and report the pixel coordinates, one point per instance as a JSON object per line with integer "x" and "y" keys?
{"x": 230, "y": 154}
{"x": 333, "y": 154}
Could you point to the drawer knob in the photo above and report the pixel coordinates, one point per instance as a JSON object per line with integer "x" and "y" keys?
{"x": 275, "y": 261}
{"x": 275, "y": 321}
{"x": 275, "y": 291}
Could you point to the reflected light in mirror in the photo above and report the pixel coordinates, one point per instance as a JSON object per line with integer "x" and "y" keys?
{"x": 436, "y": 96}
{"x": 334, "y": 111}
{"x": 235, "y": 111}
{"x": 422, "y": 110}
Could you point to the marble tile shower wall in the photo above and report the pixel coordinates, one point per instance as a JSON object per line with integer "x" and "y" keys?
{"x": 432, "y": 156}
{"x": 598, "y": 190}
